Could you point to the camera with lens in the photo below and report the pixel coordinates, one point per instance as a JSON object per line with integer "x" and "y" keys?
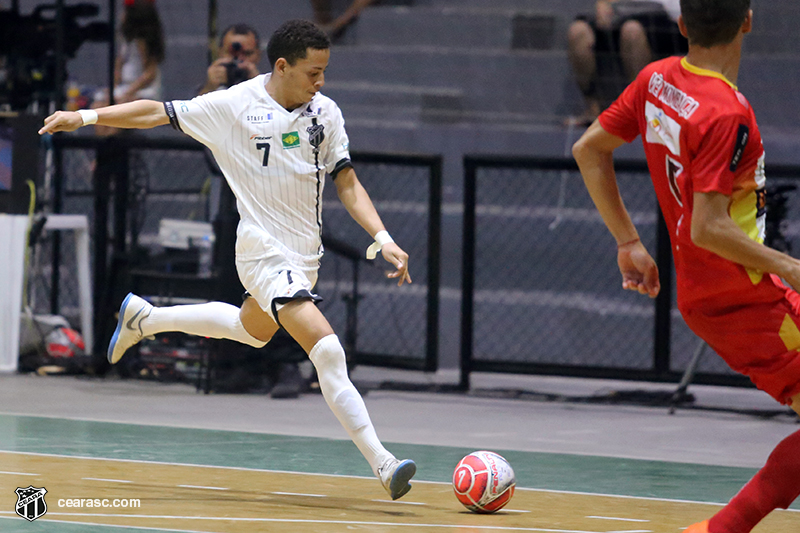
{"x": 234, "y": 71}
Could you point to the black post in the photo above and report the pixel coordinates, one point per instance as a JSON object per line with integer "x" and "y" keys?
{"x": 663, "y": 322}
{"x": 112, "y": 48}
{"x": 467, "y": 272}
{"x": 102, "y": 197}
{"x": 58, "y": 176}
{"x": 434, "y": 262}
{"x": 212, "y": 31}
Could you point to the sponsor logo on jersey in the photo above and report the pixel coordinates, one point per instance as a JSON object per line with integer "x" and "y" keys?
{"x": 678, "y": 100}
{"x": 290, "y": 140}
{"x": 662, "y": 129}
{"x": 742, "y": 136}
{"x": 259, "y": 119}
{"x": 257, "y": 137}
{"x": 184, "y": 107}
{"x": 310, "y": 112}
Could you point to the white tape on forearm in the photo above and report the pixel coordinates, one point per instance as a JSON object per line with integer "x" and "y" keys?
{"x": 382, "y": 238}
{"x": 89, "y": 116}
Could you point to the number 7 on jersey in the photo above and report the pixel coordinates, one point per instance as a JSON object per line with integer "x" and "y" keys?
{"x": 265, "y": 147}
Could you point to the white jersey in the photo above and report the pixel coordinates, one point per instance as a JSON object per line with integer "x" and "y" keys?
{"x": 274, "y": 161}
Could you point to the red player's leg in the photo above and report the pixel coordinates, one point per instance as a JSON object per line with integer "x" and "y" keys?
{"x": 775, "y": 486}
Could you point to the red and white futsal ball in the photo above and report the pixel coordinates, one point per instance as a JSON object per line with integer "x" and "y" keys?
{"x": 484, "y": 482}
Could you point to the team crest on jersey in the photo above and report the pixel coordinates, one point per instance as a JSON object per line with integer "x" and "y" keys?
{"x": 316, "y": 134}
{"x": 290, "y": 140}
{"x": 30, "y": 502}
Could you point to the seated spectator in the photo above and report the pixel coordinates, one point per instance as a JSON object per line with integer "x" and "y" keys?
{"x": 137, "y": 73}
{"x": 137, "y": 70}
{"x": 608, "y": 49}
{"x": 240, "y": 53}
{"x": 335, "y": 27}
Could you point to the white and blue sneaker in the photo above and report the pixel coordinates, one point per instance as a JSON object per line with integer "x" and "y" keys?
{"x": 129, "y": 326}
{"x": 395, "y": 475}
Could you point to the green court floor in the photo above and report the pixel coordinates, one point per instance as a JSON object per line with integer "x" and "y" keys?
{"x": 601, "y": 475}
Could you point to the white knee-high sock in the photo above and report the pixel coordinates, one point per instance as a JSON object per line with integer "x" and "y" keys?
{"x": 345, "y": 401}
{"x": 217, "y": 320}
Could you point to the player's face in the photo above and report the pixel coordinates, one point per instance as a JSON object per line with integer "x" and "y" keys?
{"x": 307, "y": 76}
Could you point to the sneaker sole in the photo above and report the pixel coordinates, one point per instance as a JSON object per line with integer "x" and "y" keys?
{"x": 117, "y": 331}
{"x": 399, "y": 486}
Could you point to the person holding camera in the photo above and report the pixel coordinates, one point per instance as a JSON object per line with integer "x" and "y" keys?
{"x": 240, "y": 53}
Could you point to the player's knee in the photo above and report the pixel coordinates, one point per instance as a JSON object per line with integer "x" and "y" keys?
{"x": 633, "y": 31}
{"x": 328, "y": 357}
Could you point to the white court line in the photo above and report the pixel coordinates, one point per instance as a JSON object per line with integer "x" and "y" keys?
{"x": 244, "y": 469}
{"x": 512, "y": 511}
{"x": 202, "y": 487}
{"x": 18, "y": 474}
{"x": 620, "y": 519}
{"x": 74, "y": 522}
{"x": 108, "y": 480}
{"x": 299, "y": 494}
{"x": 457, "y": 527}
{"x": 403, "y": 503}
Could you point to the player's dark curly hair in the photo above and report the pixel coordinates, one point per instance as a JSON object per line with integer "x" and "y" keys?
{"x": 141, "y": 21}
{"x": 293, "y": 39}
{"x": 713, "y": 22}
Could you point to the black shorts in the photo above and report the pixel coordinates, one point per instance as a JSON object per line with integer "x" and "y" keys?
{"x": 662, "y": 32}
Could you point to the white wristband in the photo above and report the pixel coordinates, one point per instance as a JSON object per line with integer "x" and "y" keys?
{"x": 382, "y": 238}
{"x": 89, "y": 116}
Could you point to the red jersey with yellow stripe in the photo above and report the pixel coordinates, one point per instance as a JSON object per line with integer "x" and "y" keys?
{"x": 700, "y": 135}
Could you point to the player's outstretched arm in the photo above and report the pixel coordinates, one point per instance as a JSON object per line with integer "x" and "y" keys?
{"x": 360, "y": 206}
{"x": 594, "y": 154}
{"x": 141, "y": 114}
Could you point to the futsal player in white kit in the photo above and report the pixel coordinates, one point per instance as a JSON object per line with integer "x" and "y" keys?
{"x": 274, "y": 137}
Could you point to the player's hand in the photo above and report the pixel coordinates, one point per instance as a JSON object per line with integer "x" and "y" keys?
{"x": 396, "y": 256}
{"x": 639, "y": 270}
{"x": 62, "y": 121}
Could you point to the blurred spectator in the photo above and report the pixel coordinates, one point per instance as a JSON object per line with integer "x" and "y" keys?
{"x": 608, "y": 49}
{"x": 138, "y": 73}
{"x": 137, "y": 70}
{"x": 240, "y": 53}
{"x": 334, "y": 27}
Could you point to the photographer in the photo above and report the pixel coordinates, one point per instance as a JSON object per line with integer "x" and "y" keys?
{"x": 240, "y": 53}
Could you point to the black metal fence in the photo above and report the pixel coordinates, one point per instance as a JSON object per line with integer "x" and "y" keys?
{"x": 127, "y": 184}
{"x": 541, "y": 288}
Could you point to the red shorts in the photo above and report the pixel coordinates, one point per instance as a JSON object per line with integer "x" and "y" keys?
{"x": 758, "y": 337}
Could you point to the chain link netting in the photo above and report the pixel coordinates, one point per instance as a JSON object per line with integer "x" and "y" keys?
{"x": 547, "y": 288}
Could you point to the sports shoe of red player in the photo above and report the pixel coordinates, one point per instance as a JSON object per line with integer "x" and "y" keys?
{"x": 700, "y": 527}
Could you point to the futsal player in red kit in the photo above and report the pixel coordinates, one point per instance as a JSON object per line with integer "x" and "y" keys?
{"x": 706, "y": 162}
